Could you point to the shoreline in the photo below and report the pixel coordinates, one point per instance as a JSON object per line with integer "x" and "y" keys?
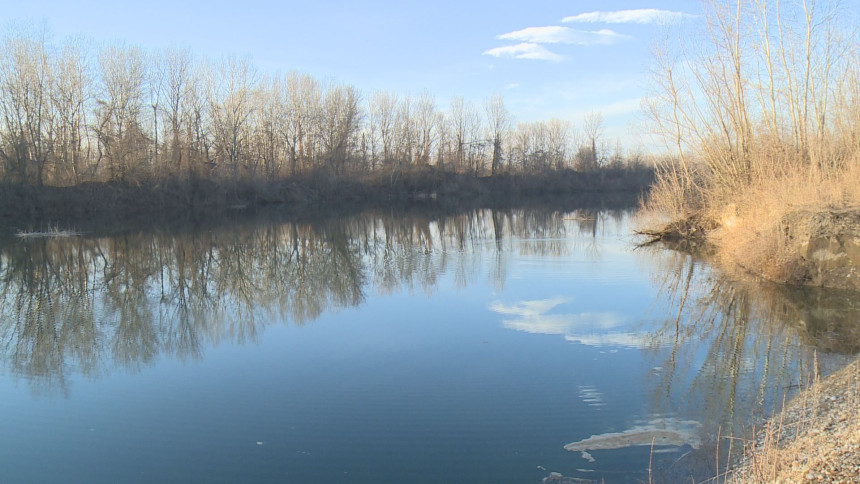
{"x": 815, "y": 438}
{"x": 201, "y": 198}
{"x": 112, "y": 223}
{"x": 806, "y": 247}
{"x": 816, "y": 435}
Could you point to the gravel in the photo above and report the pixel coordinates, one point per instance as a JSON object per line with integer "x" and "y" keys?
{"x": 815, "y": 439}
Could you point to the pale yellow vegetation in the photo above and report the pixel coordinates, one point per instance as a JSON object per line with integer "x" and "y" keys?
{"x": 762, "y": 110}
{"x": 815, "y": 439}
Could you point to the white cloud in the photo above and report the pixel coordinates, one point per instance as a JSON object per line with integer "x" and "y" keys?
{"x": 525, "y": 50}
{"x": 512, "y": 85}
{"x": 636, "y": 16}
{"x": 564, "y": 35}
{"x": 541, "y": 35}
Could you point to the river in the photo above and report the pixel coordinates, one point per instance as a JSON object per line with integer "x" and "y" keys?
{"x": 482, "y": 346}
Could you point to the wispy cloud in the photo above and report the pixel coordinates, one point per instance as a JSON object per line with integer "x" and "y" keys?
{"x": 564, "y": 35}
{"x": 525, "y": 50}
{"x": 635, "y": 16}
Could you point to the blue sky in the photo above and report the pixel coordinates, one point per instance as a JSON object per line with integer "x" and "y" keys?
{"x": 548, "y": 58}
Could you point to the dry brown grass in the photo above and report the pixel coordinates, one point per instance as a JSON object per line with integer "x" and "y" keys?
{"x": 751, "y": 226}
{"x": 816, "y": 438}
{"x": 746, "y": 223}
{"x": 763, "y": 118}
{"x": 752, "y": 232}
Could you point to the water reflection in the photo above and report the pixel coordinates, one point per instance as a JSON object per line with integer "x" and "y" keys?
{"x": 736, "y": 349}
{"x": 736, "y": 327}
{"x": 716, "y": 351}
{"x": 73, "y": 303}
{"x": 84, "y": 305}
{"x": 593, "y": 329}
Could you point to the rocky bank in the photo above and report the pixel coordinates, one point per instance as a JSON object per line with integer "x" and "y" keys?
{"x": 824, "y": 248}
{"x": 816, "y": 438}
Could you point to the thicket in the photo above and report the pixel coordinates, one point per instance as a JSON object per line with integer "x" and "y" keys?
{"x": 72, "y": 115}
{"x": 761, "y": 108}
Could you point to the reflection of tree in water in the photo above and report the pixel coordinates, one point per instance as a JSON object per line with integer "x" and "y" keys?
{"x": 734, "y": 348}
{"x": 82, "y": 305}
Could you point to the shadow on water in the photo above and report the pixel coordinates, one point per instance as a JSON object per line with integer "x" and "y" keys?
{"x": 722, "y": 351}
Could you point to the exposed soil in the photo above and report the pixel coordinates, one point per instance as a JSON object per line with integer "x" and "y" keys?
{"x": 812, "y": 248}
{"x": 825, "y": 248}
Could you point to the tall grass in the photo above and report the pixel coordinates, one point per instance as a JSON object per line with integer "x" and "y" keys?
{"x": 761, "y": 104}
{"x": 811, "y": 439}
{"x": 756, "y": 228}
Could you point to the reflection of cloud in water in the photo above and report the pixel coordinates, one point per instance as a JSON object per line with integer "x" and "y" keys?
{"x": 659, "y": 432}
{"x": 625, "y": 340}
{"x": 591, "y": 396}
{"x": 592, "y": 329}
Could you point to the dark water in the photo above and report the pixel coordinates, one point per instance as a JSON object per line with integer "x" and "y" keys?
{"x": 468, "y": 348}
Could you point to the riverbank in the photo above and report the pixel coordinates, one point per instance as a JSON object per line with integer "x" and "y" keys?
{"x": 799, "y": 228}
{"x": 207, "y": 197}
{"x": 816, "y": 438}
{"x": 796, "y": 236}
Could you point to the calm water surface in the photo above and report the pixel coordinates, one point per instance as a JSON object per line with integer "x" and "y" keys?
{"x": 467, "y": 348}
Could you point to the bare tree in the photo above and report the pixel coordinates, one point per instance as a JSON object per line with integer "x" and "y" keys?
{"x": 177, "y": 72}
{"x": 383, "y": 113}
{"x": 425, "y": 126}
{"x": 155, "y": 85}
{"x": 230, "y": 110}
{"x": 25, "y": 103}
{"x": 404, "y": 132}
{"x": 474, "y": 139}
{"x": 592, "y": 127}
{"x": 121, "y": 138}
{"x": 72, "y": 90}
{"x": 268, "y": 120}
{"x": 196, "y": 118}
{"x": 756, "y": 92}
{"x": 303, "y": 111}
{"x": 341, "y": 115}
{"x": 558, "y": 141}
{"x": 457, "y": 128}
{"x": 123, "y": 115}
{"x": 443, "y": 140}
{"x": 498, "y": 123}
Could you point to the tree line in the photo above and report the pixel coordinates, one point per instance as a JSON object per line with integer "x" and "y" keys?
{"x": 71, "y": 113}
